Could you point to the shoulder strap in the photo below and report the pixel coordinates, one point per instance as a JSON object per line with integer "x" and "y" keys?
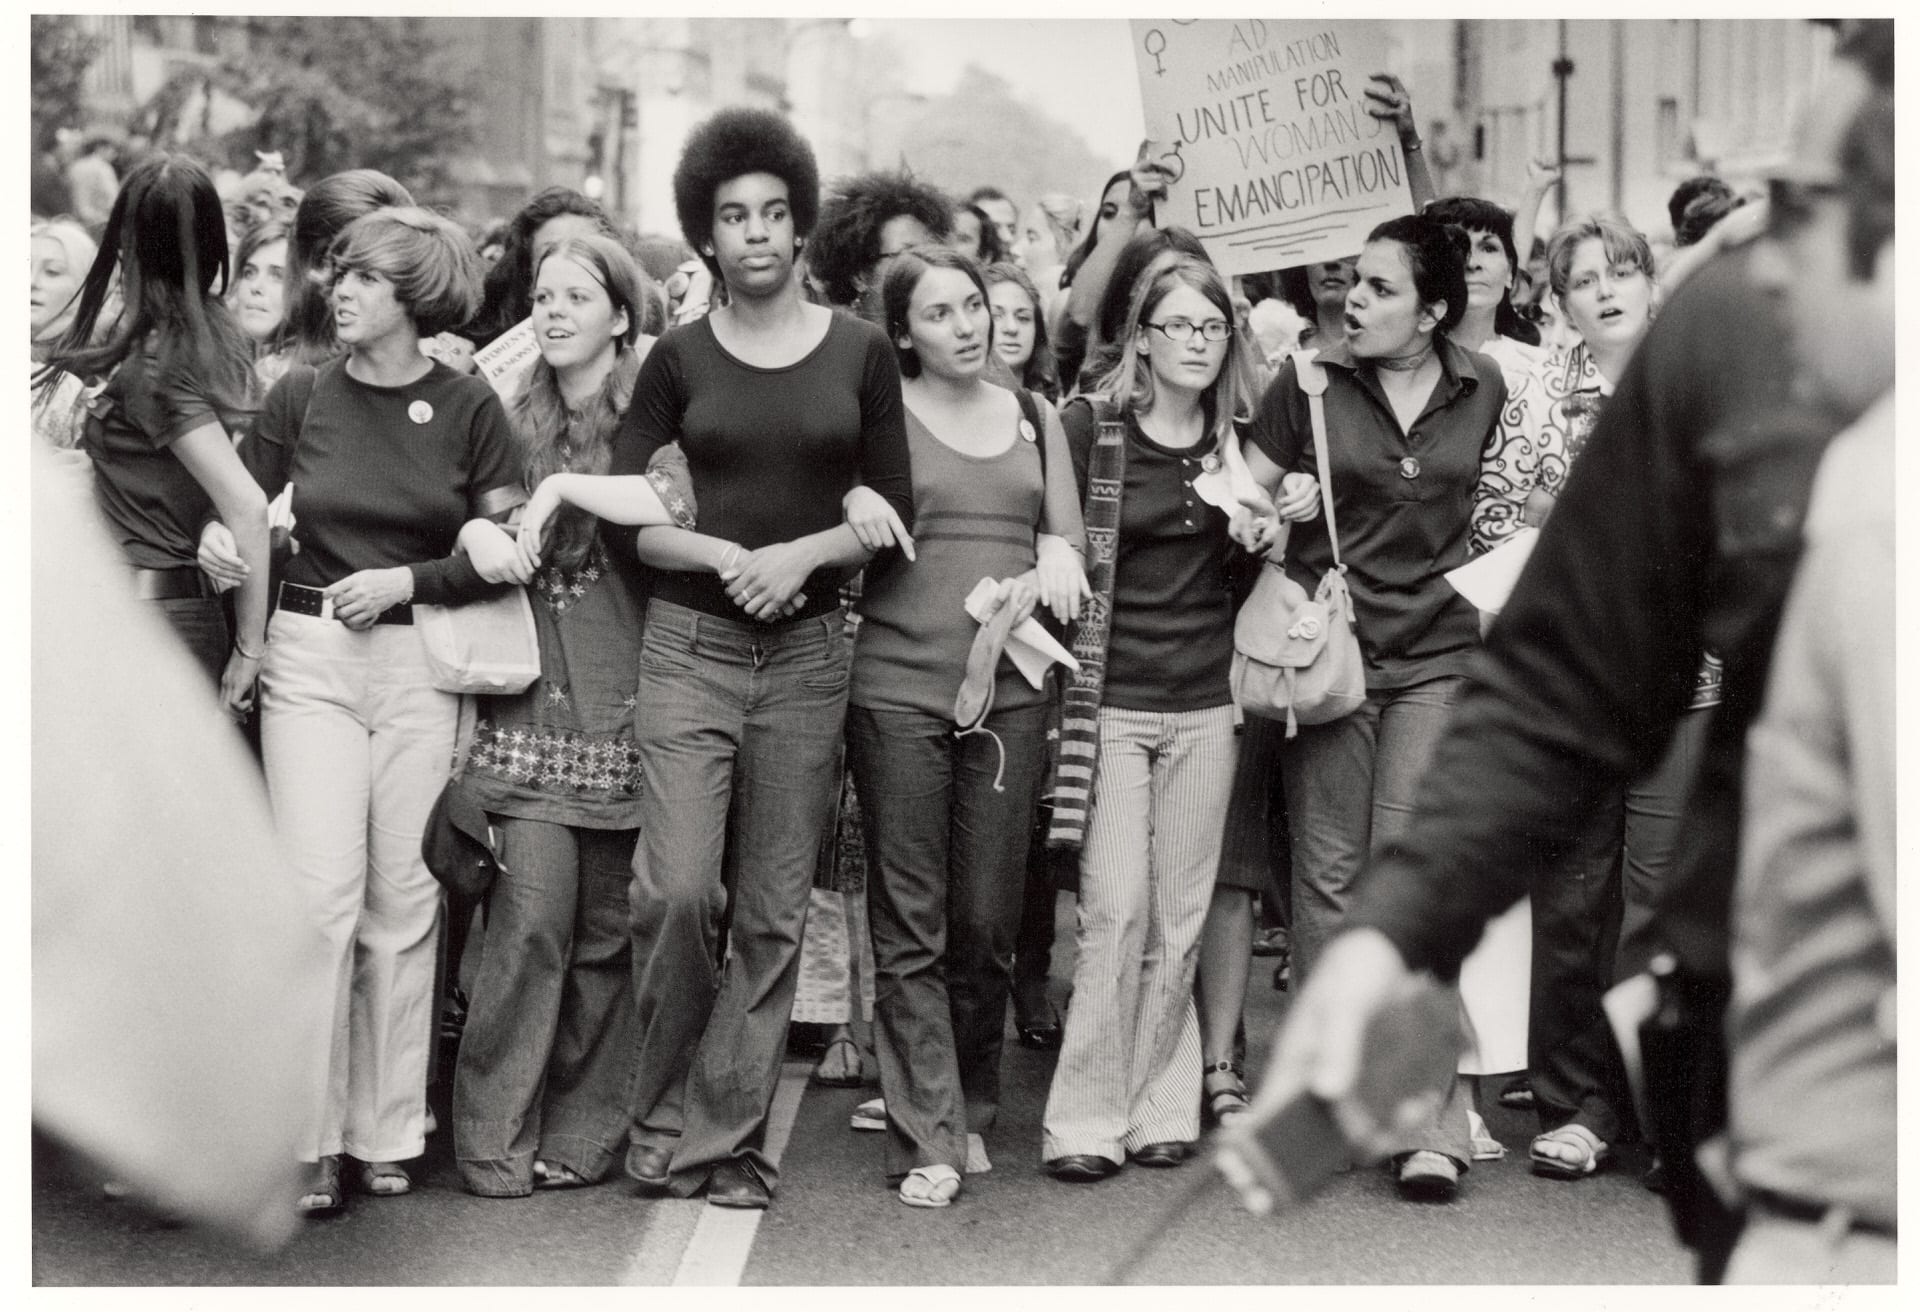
{"x": 1312, "y": 378}
{"x": 1030, "y": 409}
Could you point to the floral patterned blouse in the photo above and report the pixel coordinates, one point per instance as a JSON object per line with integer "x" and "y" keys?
{"x": 563, "y": 750}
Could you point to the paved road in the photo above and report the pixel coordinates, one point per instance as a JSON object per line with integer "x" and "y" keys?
{"x": 836, "y": 1222}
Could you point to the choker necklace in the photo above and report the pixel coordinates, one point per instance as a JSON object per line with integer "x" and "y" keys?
{"x": 1404, "y": 364}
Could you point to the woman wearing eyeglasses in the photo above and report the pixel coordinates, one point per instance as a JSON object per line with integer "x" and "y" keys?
{"x": 1152, "y": 715}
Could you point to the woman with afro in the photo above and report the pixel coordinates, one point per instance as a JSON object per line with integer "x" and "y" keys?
{"x": 783, "y": 410}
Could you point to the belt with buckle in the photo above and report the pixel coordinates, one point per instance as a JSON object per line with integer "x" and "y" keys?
{"x": 1793, "y": 1208}
{"x": 313, "y": 601}
{"x": 171, "y": 584}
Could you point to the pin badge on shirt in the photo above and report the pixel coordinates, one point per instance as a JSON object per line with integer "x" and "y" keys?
{"x": 1026, "y": 431}
{"x": 420, "y": 412}
{"x": 1211, "y": 462}
{"x": 1409, "y": 468}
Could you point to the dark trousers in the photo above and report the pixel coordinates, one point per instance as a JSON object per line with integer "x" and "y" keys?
{"x": 546, "y": 1063}
{"x": 946, "y": 858}
{"x": 201, "y": 624}
{"x": 739, "y": 727}
{"x": 1592, "y": 925}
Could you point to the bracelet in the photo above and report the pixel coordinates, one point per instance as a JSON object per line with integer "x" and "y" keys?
{"x": 732, "y": 558}
{"x": 241, "y": 647}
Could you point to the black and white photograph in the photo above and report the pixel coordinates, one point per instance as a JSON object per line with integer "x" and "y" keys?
{"x": 1036, "y": 646}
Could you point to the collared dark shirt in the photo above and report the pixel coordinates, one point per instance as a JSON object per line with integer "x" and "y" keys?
{"x": 1680, "y": 529}
{"x": 1403, "y": 499}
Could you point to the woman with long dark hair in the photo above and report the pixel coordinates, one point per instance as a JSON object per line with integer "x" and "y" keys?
{"x": 1020, "y": 329}
{"x": 947, "y": 813}
{"x": 177, "y": 380}
{"x": 1408, "y": 413}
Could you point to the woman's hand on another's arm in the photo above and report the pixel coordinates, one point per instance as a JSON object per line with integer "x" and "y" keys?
{"x": 1060, "y": 577}
{"x": 875, "y": 522}
{"x": 219, "y": 559}
{"x": 1299, "y": 498}
{"x": 495, "y": 556}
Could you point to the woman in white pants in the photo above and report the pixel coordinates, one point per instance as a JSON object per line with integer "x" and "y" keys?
{"x": 389, "y": 454}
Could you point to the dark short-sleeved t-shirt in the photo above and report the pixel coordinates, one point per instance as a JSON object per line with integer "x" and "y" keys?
{"x": 385, "y": 476}
{"x": 771, "y": 451}
{"x": 1170, "y": 645}
{"x": 153, "y": 505}
{"x": 1403, "y": 499}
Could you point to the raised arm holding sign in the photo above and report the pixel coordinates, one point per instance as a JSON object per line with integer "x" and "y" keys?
{"x": 1282, "y": 145}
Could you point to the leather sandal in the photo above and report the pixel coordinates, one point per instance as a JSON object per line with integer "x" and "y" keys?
{"x": 856, "y": 1073}
{"x": 324, "y": 1195}
{"x": 382, "y": 1179}
{"x": 1226, "y": 1093}
{"x": 930, "y": 1186}
{"x": 1589, "y": 1148}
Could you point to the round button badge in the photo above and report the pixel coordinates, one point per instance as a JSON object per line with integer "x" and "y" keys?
{"x": 1211, "y": 463}
{"x": 1026, "y": 431}
{"x": 420, "y": 412}
{"x": 1409, "y": 467}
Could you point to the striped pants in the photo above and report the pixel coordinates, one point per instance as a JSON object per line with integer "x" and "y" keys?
{"x": 1129, "y": 1068}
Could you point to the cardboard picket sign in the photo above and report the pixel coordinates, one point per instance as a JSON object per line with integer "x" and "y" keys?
{"x": 509, "y": 358}
{"x": 1275, "y": 159}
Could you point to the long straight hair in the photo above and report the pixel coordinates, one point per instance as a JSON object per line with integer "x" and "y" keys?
{"x": 541, "y": 421}
{"x": 167, "y": 239}
{"x": 1129, "y": 384}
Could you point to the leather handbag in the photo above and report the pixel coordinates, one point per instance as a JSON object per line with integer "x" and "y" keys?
{"x": 458, "y": 845}
{"x": 487, "y": 646}
{"x": 1297, "y": 657}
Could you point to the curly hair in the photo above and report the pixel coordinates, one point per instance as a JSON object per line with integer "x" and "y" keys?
{"x": 507, "y": 295}
{"x": 848, "y": 243}
{"x": 732, "y": 144}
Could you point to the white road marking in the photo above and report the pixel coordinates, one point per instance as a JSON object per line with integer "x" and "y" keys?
{"x": 713, "y": 1244}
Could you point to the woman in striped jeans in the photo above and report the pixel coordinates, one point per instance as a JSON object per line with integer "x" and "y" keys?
{"x": 1127, "y": 1086}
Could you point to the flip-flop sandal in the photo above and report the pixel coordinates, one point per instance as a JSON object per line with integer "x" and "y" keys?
{"x": 557, "y": 1177}
{"x": 326, "y": 1197}
{"x": 1593, "y": 1151}
{"x": 856, "y": 1075}
{"x": 930, "y": 1186}
{"x": 382, "y": 1179}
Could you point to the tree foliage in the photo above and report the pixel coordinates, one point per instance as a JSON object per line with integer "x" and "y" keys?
{"x": 980, "y": 132}
{"x": 62, "y": 50}
{"x": 330, "y": 94}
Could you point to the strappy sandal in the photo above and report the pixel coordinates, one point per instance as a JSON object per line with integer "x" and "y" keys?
{"x": 382, "y": 1179}
{"x": 856, "y": 1074}
{"x": 1229, "y": 1098}
{"x": 325, "y": 1196}
{"x": 930, "y": 1186}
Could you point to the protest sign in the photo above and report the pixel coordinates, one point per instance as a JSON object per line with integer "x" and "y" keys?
{"x": 509, "y": 358}
{"x": 1276, "y": 160}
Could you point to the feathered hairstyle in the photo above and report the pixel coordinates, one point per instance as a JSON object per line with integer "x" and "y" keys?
{"x": 508, "y": 296}
{"x": 732, "y": 144}
{"x": 1039, "y": 374}
{"x": 167, "y": 237}
{"x": 327, "y": 208}
{"x": 1129, "y": 384}
{"x": 847, "y": 244}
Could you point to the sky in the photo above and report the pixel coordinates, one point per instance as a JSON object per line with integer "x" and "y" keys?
{"x": 1080, "y": 71}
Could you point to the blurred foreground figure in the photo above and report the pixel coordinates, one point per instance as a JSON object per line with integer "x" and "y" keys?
{"x": 175, "y": 972}
{"x": 1811, "y": 1021}
{"x": 1680, "y": 529}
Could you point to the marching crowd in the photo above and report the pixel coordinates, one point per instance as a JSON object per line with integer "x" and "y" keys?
{"x": 892, "y": 558}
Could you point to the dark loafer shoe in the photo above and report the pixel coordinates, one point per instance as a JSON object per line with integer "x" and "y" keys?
{"x": 737, "y": 1184}
{"x": 649, "y": 1165}
{"x": 1173, "y": 1153}
{"x": 1082, "y": 1168}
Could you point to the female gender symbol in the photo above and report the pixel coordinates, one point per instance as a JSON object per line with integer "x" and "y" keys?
{"x": 1147, "y": 44}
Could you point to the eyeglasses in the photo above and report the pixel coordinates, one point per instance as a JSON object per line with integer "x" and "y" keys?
{"x": 1179, "y": 330}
